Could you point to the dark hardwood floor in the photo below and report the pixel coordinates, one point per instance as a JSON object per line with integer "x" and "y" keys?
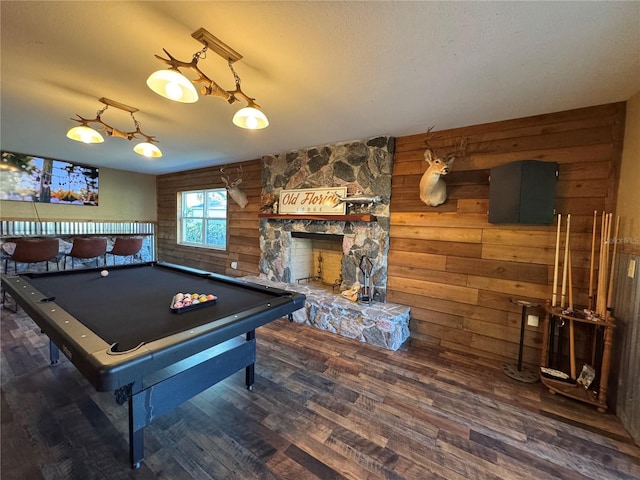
{"x": 324, "y": 407}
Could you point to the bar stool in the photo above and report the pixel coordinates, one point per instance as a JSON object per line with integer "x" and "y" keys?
{"x": 86, "y": 247}
{"x": 125, "y": 247}
{"x": 29, "y": 251}
{"x": 32, "y": 250}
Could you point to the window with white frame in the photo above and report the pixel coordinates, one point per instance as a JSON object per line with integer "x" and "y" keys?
{"x": 202, "y": 218}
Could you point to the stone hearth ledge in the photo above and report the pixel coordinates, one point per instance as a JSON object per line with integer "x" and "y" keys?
{"x": 384, "y": 325}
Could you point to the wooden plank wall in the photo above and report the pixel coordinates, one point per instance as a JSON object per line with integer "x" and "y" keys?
{"x": 458, "y": 272}
{"x": 243, "y": 238}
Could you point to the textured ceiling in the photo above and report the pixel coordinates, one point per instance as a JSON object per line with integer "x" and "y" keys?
{"x": 322, "y": 71}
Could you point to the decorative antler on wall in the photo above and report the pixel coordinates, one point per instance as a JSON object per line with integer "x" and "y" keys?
{"x": 433, "y": 189}
{"x": 235, "y": 193}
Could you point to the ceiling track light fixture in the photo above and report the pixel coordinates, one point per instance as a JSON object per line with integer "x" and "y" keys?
{"x": 174, "y": 85}
{"x": 84, "y": 133}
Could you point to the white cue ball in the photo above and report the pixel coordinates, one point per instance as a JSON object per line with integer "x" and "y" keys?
{"x": 104, "y": 273}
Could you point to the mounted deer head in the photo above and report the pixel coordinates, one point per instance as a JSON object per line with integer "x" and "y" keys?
{"x": 433, "y": 189}
{"x": 235, "y": 193}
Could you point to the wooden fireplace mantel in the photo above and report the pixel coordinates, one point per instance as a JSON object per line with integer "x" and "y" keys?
{"x": 327, "y": 218}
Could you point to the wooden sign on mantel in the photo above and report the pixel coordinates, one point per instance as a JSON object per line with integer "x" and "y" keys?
{"x": 313, "y": 200}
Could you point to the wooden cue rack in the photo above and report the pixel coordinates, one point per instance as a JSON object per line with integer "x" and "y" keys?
{"x": 597, "y": 397}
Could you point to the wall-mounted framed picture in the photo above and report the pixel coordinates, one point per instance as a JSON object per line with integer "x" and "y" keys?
{"x": 29, "y": 178}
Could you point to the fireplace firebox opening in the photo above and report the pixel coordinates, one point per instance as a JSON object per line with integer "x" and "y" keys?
{"x": 317, "y": 259}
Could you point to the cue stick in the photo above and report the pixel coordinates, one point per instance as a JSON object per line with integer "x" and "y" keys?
{"x": 602, "y": 301}
{"x": 607, "y": 267}
{"x": 570, "y": 283}
{"x": 613, "y": 264}
{"x": 603, "y": 232}
{"x": 592, "y": 258}
{"x": 572, "y": 343}
{"x": 554, "y": 298}
{"x": 572, "y": 349}
{"x": 600, "y": 255}
{"x": 563, "y": 295}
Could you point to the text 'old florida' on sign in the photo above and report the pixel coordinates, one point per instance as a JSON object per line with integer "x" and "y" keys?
{"x": 313, "y": 200}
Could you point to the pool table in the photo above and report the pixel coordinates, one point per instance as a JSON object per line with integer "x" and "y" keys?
{"x": 122, "y": 334}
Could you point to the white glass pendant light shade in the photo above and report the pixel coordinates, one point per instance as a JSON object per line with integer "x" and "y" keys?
{"x": 173, "y": 85}
{"x": 147, "y": 149}
{"x": 250, "y": 118}
{"x": 84, "y": 134}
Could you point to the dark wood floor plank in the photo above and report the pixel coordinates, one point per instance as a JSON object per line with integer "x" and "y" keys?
{"x": 526, "y": 455}
{"x": 405, "y": 422}
{"x": 373, "y": 431}
{"x": 253, "y": 444}
{"x": 283, "y": 466}
{"x": 312, "y": 442}
{"x": 409, "y": 470}
{"x": 430, "y": 458}
{"x": 487, "y": 462}
{"x": 311, "y": 464}
{"x": 188, "y": 453}
{"x": 324, "y": 407}
{"x": 426, "y": 421}
{"x": 164, "y": 465}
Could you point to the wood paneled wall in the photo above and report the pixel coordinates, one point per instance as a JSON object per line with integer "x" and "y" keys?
{"x": 243, "y": 243}
{"x": 459, "y": 273}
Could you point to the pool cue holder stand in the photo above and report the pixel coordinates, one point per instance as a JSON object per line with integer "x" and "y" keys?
{"x": 596, "y": 395}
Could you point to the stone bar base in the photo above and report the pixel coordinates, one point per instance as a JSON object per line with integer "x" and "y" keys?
{"x": 384, "y": 325}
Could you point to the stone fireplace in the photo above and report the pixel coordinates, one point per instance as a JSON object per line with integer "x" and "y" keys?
{"x": 364, "y": 168}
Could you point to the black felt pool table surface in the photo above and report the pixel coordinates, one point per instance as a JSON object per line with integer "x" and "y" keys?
{"x": 133, "y": 305}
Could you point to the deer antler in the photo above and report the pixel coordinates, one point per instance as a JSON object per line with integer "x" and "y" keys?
{"x": 225, "y": 175}
{"x": 461, "y": 146}
{"x": 426, "y": 137}
{"x": 461, "y": 149}
{"x": 426, "y": 141}
{"x": 233, "y": 188}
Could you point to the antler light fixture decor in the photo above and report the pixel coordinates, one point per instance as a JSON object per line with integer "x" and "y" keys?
{"x": 84, "y": 133}
{"x": 172, "y": 84}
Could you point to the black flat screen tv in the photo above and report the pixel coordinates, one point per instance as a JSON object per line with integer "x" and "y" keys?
{"x": 30, "y": 178}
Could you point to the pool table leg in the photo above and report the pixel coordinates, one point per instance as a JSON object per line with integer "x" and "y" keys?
{"x": 136, "y": 437}
{"x": 54, "y": 353}
{"x": 250, "y": 369}
{"x": 5, "y": 304}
